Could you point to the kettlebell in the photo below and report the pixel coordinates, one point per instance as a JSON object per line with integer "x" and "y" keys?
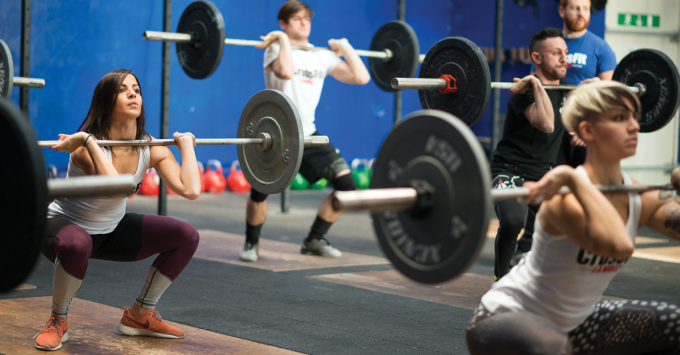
{"x": 51, "y": 171}
{"x": 150, "y": 183}
{"x": 214, "y": 180}
{"x": 300, "y": 183}
{"x": 201, "y": 173}
{"x": 360, "y": 175}
{"x": 319, "y": 185}
{"x": 236, "y": 181}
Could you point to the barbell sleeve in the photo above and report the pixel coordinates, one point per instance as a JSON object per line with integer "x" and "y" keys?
{"x": 100, "y": 185}
{"x": 440, "y": 84}
{"x": 185, "y": 38}
{"x": 310, "y": 141}
{"x": 405, "y": 198}
{"x": 29, "y": 82}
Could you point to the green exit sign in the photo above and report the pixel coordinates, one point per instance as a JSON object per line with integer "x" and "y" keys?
{"x": 638, "y": 20}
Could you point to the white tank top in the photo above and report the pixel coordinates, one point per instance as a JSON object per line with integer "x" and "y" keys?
{"x": 98, "y": 214}
{"x": 557, "y": 279}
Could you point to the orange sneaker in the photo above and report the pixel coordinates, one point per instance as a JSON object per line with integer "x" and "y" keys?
{"x": 54, "y": 333}
{"x": 150, "y": 325}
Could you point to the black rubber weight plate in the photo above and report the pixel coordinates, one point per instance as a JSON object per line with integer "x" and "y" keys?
{"x": 271, "y": 111}
{"x": 401, "y": 40}
{"x": 204, "y": 22}
{"x": 6, "y": 70}
{"x": 462, "y": 59}
{"x": 438, "y": 148}
{"x": 658, "y": 73}
{"x": 24, "y": 197}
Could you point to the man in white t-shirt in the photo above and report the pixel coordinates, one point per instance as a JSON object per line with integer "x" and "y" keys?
{"x": 300, "y": 75}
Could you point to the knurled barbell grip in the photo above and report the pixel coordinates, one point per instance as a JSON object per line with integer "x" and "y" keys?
{"x": 405, "y": 198}
{"x": 438, "y": 84}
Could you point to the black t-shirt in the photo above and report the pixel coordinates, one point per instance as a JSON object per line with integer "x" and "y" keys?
{"x": 524, "y": 149}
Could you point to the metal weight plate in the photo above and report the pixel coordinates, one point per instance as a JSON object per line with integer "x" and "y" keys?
{"x": 401, "y": 40}
{"x": 462, "y": 59}
{"x": 271, "y": 171}
{"x": 660, "y": 76}
{"x": 440, "y": 149}
{"x": 24, "y": 197}
{"x": 204, "y": 22}
{"x": 6, "y": 70}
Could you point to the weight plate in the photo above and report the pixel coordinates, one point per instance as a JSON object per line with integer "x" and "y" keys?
{"x": 438, "y": 148}
{"x": 24, "y": 197}
{"x": 462, "y": 59}
{"x": 272, "y": 112}
{"x": 6, "y": 70}
{"x": 204, "y": 22}
{"x": 401, "y": 40}
{"x": 660, "y": 76}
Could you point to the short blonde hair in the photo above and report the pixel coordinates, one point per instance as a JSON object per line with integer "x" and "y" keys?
{"x": 589, "y": 101}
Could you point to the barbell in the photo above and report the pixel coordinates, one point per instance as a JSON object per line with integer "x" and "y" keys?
{"x": 200, "y": 39}
{"x": 26, "y": 193}
{"x": 455, "y": 78}
{"x": 430, "y": 196}
{"x": 269, "y": 144}
{"x": 7, "y": 78}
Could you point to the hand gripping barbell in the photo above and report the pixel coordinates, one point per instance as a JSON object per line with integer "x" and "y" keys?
{"x": 431, "y": 197}
{"x": 455, "y": 78}
{"x": 7, "y": 78}
{"x": 200, "y": 42}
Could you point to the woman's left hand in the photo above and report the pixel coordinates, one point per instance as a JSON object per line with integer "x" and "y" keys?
{"x": 181, "y": 139}
{"x": 70, "y": 142}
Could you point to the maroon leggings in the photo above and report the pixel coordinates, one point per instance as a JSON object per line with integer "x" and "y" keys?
{"x": 136, "y": 237}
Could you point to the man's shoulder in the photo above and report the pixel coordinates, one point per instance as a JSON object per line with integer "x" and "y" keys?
{"x": 595, "y": 39}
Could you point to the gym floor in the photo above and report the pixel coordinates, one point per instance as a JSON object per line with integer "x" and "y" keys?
{"x": 287, "y": 302}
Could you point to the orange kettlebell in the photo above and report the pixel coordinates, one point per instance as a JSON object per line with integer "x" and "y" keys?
{"x": 150, "y": 183}
{"x": 236, "y": 181}
{"x": 214, "y": 180}
{"x": 201, "y": 173}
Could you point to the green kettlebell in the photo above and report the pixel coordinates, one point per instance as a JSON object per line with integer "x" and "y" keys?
{"x": 360, "y": 175}
{"x": 300, "y": 183}
{"x": 319, "y": 185}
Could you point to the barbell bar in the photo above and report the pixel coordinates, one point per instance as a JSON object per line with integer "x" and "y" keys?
{"x": 431, "y": 198}
{"x": 455, "y": 78}
{"x": 99, "y": 185}
{"x": 200, "y": 38}
{"x": 187, "y": 38}
{"x": 7, "y": 78}
{"x": 265, "y": 142}
{"x": 443, "y": 83}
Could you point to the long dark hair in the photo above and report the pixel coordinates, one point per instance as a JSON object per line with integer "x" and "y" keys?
{"x": 104, "y": 100}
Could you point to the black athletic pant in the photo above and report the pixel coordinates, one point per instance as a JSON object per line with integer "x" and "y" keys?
{"x": 620, "y": 327}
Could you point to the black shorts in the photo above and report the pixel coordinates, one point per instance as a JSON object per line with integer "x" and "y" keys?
{"x": 321, "y": 162}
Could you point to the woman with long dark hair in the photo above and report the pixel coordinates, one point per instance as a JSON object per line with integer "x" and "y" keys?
{"x": 98, "y": 227}
{"x": 550, "y": 302}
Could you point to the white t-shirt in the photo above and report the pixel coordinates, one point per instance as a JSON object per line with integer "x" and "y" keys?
{"x": 311, "y": 68}
{"x": 97, "y": 214}
{"x": 558, "y": 280}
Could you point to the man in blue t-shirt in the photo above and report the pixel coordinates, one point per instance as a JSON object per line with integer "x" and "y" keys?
{"x": 589, "y": 57}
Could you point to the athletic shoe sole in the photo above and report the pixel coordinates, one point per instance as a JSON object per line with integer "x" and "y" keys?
{"x": 124, "y": 329}
{"x": 313, "y": 252}
{"x": 64, "y": 338}
{"x": 247, "y": 256}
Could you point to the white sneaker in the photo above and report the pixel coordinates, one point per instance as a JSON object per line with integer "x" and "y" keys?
{"x": 320, "y": 247}
{"x": 251, "y": 252}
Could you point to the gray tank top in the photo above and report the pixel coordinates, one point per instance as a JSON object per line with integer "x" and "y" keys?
{"x": 557, "y": 279}
{"x": 97, "y": 214}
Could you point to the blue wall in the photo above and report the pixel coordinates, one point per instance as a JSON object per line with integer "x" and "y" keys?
{"x": 74, "y": 43}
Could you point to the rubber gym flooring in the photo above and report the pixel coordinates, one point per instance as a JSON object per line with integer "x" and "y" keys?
{"x": 287, "y": 302}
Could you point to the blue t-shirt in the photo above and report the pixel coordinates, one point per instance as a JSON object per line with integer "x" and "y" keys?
{"x": 589, "y": 55}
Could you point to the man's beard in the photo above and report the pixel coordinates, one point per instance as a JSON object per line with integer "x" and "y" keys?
{"x": 572, "y": 25}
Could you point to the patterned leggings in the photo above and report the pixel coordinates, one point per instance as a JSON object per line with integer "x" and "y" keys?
{"x": 615, "y": 327}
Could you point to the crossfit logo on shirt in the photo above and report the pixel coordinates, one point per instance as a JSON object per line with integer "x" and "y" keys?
{"x": 598, "y": 264}
{"x": 576, "y": 60}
